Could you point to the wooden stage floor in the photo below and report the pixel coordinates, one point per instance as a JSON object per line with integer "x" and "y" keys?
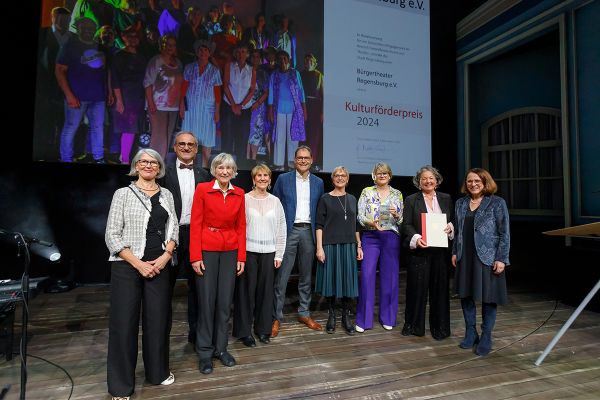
{"x": 70, "y": 330}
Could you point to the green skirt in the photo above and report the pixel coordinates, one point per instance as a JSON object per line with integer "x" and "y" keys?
{"x": 338, "y": 276}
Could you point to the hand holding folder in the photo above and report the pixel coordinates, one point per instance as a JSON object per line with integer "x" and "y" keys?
{"x": 433, "y": 227}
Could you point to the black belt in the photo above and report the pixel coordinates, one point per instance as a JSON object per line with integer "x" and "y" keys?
{"x": 302, "y": 225}
{"x": 186, "y": 226}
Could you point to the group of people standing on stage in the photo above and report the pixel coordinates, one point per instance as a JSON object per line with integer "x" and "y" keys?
{"x": 125, "y": 67}
{"x": 242, "y": 248}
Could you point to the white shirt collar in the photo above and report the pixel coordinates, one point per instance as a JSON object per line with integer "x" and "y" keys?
{"x": 216, "y": 186}
{"x": 298, "y": 176}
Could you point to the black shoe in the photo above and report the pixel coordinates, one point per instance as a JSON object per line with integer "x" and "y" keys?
{"x": 439, "y": 334}
{"x": 206, "y": 366}
{"x": 100, "y": 161}
{"x": 248, "y": 341}
{"x": 264, "y": 339}
{"x": 406, "y": 330}
{"x": 330, "y": 327}
{"x": 347, "y": 322}
{"x": 226, "y": 359}
{"x": 192, "y": 337}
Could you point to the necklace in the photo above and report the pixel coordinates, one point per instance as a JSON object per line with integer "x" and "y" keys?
{"x": 148, "y": 190}
{"x": 343, "y": 205}
{"x": 473, "y": 201}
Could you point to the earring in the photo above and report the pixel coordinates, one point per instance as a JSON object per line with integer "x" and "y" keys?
{"x": 253, "y": 186}
{"x": 269, "y": 187}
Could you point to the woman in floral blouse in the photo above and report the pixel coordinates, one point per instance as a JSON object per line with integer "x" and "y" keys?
{"x": 380, "y": 213}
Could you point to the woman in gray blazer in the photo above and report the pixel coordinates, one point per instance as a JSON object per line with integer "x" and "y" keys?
{"x": 480, "y": 254}
{"x": 142, "y": 231}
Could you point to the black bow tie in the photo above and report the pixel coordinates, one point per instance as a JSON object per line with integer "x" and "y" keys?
{"x": 186, "y": 166}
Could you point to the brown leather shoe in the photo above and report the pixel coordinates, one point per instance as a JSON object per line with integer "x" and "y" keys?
{"x": 311, "y": 323}
{"x": 275, "y": 328}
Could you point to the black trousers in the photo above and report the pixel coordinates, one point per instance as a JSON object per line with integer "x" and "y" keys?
{"x": 427, "y": 276}
{"x": 128, "y": 292}
{"x": 215, "y": 295}
{"x": 183, "y": 264}
{"x": 236, "y": 129}
{"x": 253, "y": 299}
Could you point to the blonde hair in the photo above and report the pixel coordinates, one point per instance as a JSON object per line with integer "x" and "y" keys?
{"x": 384, "y": 167}
{"x": 343, "y": 169}
{"x": 258, "y": 168}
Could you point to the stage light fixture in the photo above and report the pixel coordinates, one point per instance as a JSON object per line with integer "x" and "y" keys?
{"x": 45, "y": 250}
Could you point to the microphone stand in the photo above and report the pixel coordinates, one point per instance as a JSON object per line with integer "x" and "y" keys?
{"x": 21, "y": 242}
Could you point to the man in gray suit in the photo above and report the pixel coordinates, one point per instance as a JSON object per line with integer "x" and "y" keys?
{"x": 181, "y": 178}
{"x": 299, "y": 192}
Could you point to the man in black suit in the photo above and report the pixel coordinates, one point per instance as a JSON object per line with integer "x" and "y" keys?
{"x": 181, "y": 178}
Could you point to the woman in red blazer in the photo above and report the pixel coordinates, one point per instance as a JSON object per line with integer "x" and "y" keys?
{"x": 217, "y": 254}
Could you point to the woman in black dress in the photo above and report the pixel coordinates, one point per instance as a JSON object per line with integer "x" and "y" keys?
{"x": 480, "y": 254}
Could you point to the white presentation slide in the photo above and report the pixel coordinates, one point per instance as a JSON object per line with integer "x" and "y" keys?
{"x": 377, "y": 91}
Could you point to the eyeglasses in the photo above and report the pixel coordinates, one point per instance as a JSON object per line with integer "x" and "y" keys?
{"x": 340, "y": 176}
{"x": 381, "y": 174}
{"x": 299, "y": 158}
{"x": 188, "y": 144}
{"x": 151, "y": 163}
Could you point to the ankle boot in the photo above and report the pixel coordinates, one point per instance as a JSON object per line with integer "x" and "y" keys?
{"x": 489, "y": 320}
{"x": 470, "y": 315}
{"x": 346, "y": 319}
{"x": 330, "y": 327}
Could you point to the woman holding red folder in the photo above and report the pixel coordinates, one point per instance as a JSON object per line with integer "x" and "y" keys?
{"x": 427, "y": 273}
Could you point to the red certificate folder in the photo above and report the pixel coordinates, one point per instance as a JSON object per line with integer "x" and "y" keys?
{"x": 433, "y": 226}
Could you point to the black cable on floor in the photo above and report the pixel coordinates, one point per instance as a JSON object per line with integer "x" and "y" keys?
{"x": 57, "y": 366}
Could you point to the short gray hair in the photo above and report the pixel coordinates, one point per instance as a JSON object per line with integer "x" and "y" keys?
{"x": 220, "y": 159}
{"x": 344, "y": 170}
{"x": 184, "y": 133}
{"x": 417, "y": 178}
{"x": 152, "y": 153}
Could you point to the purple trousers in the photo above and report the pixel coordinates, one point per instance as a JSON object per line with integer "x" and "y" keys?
{"x": 383, "y": 248}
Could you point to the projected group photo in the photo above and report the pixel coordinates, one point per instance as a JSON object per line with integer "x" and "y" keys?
{"x": 255, "y": 79}
{"x": 116, "y": 75}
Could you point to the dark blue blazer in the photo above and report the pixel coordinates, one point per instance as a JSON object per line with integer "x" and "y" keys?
{"x": 285, "y": 190}
{"x": 492, "y": 229}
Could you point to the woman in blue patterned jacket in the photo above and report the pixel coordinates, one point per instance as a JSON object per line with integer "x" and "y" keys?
{"x": 480, "y": 254}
